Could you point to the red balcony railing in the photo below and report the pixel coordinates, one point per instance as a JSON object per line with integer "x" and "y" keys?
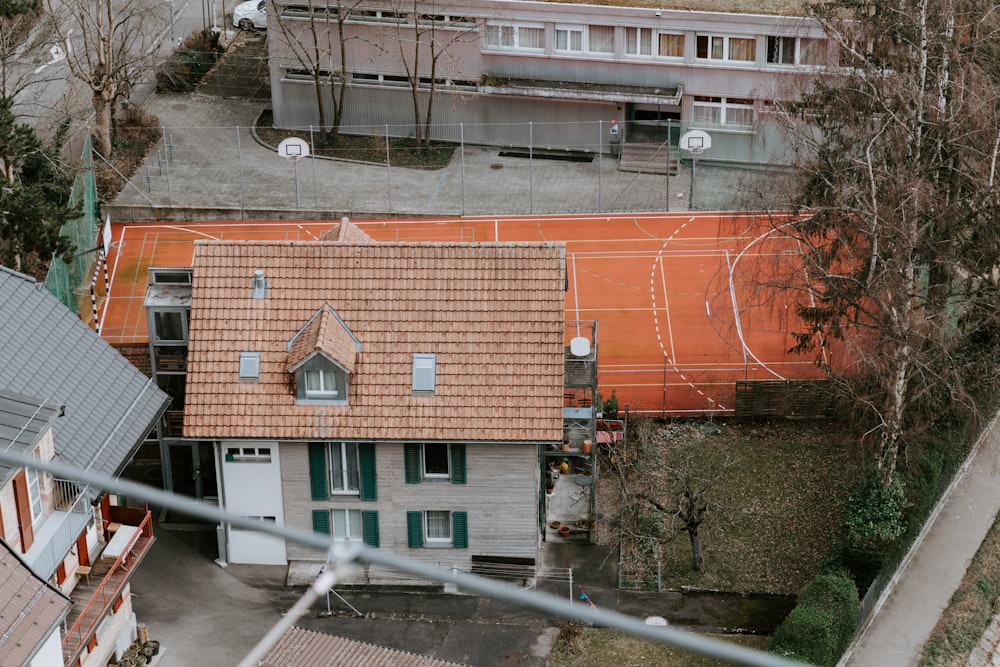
{"x": 111, "y": 585}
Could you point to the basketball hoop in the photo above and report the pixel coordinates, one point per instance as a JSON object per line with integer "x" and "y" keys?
{"x": 293, "y": 149}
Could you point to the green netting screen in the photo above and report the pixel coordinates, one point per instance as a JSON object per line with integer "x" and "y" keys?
{"x": 67, "y": 280}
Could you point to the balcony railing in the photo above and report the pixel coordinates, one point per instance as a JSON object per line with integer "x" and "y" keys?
{"x": 55, "y": 537}
{"x": 111, "y": 585}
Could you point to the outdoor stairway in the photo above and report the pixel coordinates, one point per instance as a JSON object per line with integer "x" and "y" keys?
{"x": 648, "y": 158}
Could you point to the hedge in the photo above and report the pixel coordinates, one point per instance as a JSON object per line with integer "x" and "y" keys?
{"x": 822, "y": 624}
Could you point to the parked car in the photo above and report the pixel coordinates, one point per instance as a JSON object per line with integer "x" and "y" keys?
{"x": 250, "y": 15}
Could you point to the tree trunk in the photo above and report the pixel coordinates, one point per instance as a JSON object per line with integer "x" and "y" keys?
{"x": 698, "y": 560}
{"x": 102, "y": 124}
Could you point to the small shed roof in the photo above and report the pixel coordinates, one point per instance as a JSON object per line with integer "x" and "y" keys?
{"x": 306, "y": 648}
{"x": 30, "y": 609}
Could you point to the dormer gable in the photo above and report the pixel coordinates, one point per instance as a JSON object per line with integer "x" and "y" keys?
{"x": 322, "y": 356}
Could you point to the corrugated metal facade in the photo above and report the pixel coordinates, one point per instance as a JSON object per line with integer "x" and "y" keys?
{"x": 378, "y": 50}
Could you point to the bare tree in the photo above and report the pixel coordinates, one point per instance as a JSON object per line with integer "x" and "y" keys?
{"x": 902, "y": 228}
{"x": 691, "y": 487}
{"x": 319, "y": 45}
{"x": 111, "y": 44}
{"x": 426, "y": 34}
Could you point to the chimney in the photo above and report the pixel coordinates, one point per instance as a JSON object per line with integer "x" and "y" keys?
{"x": 259, "y": 287}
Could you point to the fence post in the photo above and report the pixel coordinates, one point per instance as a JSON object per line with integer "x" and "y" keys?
{"x": 659, "y": 576}
{"x": 388, "y": 177}
{"x": 619, "y": 574}
{"x": 571, "y": 584}
{"x": 239, "y": 151}
{"x": 531, "y": 160}
{"x": 600, "y": 163}
{"x": 461, "y": 148}
{"x": 312, "y": 147}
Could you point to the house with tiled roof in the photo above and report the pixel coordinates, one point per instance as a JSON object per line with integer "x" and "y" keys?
{"x": 66, "y": 395}
{"x": 31, "y": 612}
{"x": 397, "y": 394}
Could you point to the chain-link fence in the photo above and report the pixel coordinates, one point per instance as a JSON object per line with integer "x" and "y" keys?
{"x": 65, "y": 280}
{"x": 232, "y": 168}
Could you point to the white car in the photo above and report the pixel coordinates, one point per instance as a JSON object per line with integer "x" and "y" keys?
{"x": 250, "y": 15}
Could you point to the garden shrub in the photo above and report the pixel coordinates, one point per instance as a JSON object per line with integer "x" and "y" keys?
{"x": 822, "y": 624}
{"x": 873, "y": 524}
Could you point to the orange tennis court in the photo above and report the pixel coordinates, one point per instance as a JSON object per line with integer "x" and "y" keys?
{"x": 682, "y": 312}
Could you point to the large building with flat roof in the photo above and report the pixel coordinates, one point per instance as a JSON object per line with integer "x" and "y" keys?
{"x": 550, "y": 75}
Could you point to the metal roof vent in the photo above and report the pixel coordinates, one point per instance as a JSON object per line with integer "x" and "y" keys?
{"x": 259, "y": 287}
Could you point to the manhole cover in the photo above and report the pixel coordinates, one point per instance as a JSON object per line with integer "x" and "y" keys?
{"x": 496, "y": 166}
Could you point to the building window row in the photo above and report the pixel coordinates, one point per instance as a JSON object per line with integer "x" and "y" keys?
{"x": 599, "y": 40}
{"x": 424, "y": 528}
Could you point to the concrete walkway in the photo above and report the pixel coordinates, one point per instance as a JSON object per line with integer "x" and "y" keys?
{"x": 913, "y": 601}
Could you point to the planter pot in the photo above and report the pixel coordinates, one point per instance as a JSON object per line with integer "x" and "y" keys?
{"x": 550, "y": 492}
{"x": 587, "y": 446}
{"x": 564, "y": 531}
{"x": 554, "y": 525}
{"x": 565, "y": 446}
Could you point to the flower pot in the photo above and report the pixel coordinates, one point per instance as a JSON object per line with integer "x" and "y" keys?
{"x": 564, "y": 531}
{"x": 565, "y": 446}
{"x": 587, "y": 446}
{"x": 554, "y": 525}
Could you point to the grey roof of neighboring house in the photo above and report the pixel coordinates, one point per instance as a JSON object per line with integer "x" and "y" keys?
{"x": 30, "y": 609}
{"x": 49, "y": 353}
{"x": 23, "y": 419}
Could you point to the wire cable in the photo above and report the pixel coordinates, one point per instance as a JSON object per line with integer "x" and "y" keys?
{"x": 343, "y": 558}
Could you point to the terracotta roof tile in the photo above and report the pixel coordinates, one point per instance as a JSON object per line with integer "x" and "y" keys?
{"x": 491, "y": 313}
{"x": 306, "y": 648}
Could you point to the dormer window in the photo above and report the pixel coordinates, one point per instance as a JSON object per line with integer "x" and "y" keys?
{"x": 320, "y": 384}
{"x": 321, "y": 381}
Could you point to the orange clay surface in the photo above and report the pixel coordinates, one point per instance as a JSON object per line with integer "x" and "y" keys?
{"x": 678, "y": 298}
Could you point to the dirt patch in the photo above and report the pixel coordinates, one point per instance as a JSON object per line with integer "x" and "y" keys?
{"x": 594, "y": 647}
{"x": 774, "y": 513}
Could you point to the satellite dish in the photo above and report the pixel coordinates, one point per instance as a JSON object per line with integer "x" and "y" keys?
{"x": 579, "y": 346}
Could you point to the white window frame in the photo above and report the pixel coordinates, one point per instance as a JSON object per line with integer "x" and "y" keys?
{"x": 248, "y": 454}
{"x": 345, "y": 531}
{"x": 323, "y": 391}
{"x": 34, "y": 484}
{"x": 800, "y": 48}
{"x": 437, "y": 514}
{"x": 342, "y": 467}
{"x": 726, "y": 55}
{"x": 589, "y": 45}
{"x": 724, "y": 110}
{"x": 570, "y": 30}
{"x": 516, "y": 42}
{"x": 424, "y": 372}
{"x": 634, "y": 42}
{"x": 656, "y": 45}
{"x": 157, "y": 330}
{"x": 447, "y": 462}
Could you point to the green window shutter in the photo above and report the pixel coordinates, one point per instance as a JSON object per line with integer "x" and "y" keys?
{"x": 366, "y": 461}
{"x": 321, "y": 521}
{"x": 458, "y": 464}
{"x": 318, "y": 474}
{"x": 415, "y": 529}
{"x": 411, "y": 453}
{"x": 369, "y": 527}
{"x": 460, "y": 529}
